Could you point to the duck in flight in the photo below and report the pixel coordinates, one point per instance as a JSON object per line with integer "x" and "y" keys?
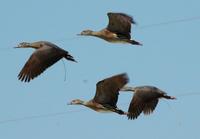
{"x": 106, "y": 96}
{"x": 145, "y": 99}
{"x": 46, "y": 55}
{"x": 117, "y": 31}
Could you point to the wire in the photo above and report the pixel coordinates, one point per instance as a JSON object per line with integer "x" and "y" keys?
{"x": 77, "y": 37}
{"x": 170, "y": 22}
{"x": 65, "y": 71}
{"x": 5, "y": 48}
{"x": 141, "y": 27}
{"x": 67, "y": 39}
{"x": 37, "y": 116}
{"x": 188, "y": 94}
{"x": 56, "y": 40}
{"x": 177, "y": 116}
{"x": 69, "y": 112}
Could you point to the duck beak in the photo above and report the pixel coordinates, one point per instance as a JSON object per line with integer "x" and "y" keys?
{"x": 16, "y": 47}
{"x": 78, "y": 34}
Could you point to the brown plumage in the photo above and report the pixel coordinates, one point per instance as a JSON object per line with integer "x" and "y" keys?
{"x": 46, "y": 54}
{"x": 145, "y": 100}
{"x": 106, "y": 96}
{"x": 118, "y": 29}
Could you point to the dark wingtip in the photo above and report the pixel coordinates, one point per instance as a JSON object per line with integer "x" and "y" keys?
{"x": 24, "y": 78}
{"x": 125, "y": 76}
{"x": 130, "y": 18}
{"x": 131, "y": 116}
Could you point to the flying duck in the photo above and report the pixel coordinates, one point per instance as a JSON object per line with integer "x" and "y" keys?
{"x": 106, "y": 96}
{"x": 145, "y": 99}
{"x": 46, "y": 54}
{"x": 117, "y": 31}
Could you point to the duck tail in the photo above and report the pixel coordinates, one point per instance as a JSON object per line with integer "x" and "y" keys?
{"x": 168, "y": 97}
{"x": 120, "y": 112}
{"x": 69, "y": 57}
{"x": 133, "y": 42}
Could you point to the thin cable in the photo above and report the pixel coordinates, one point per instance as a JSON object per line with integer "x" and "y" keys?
{"x": 141, "y": 27}
{"x": 187, "y": 94}
{"x": 57, "y": 40}
{"x": 170, "y": 22}
{"x": 37, "y": 116}
{"x": 40, "y": 116}
{"x": 177, "y": 116}
{"x": 65, "y": 70}
{"x": 5, "y": 48}
{"x": 69, "y": 112}
{"x": 67, "y": 39}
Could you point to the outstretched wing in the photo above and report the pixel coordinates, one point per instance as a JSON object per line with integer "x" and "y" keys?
{"x": 144, "y": 100}
{"x": 120, "y": 23}
{"x": 39, "y": 61}
{"x": 150, "y": 106}
{"x": 107, "y": 90}
{"x": 136, "y": 107}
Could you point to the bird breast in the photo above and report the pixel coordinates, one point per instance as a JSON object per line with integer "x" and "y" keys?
{"x": 97, "y": 107}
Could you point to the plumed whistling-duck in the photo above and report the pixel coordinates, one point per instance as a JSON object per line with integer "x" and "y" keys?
{"x": 106, "y": 96}
{"x": 46, "y": 54}
{"x": 118, "y": 30}
{"x": 144, "y": 100}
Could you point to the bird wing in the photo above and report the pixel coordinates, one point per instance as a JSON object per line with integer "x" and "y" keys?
{"x": 120, "y": 23}
{"x": 150, "y": 107}
{"x": 38, "y": 62}
{"x": 136, "y": 107}
{"x": 107, "y": 90}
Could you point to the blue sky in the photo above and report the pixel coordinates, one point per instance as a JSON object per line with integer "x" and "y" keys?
{"x": 169, "y": 59}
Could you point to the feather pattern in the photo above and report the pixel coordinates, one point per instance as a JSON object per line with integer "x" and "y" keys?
{"x": 41, "y": 59}
{"x": 107, "y": 90}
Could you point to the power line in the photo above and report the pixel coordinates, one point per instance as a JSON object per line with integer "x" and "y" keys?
{"x": 72, "y": 38}
{"x": 177, "y": 115}
{"x": 37, "y": 116}
{"x": 56, "y": 40}
{"x": 70, "y": 112}
{"x": 140, "y": 27}
{"x": 170, "y": 22}
{"x": 188, "y": 94}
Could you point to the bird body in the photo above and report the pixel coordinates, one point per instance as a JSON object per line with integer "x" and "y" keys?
{"x": 106, "y": 96}
{"x": 97, "y": 107}
{"x": 145, "y": 99}
{"x": 46, "y": 55}
{"x": 117, "y": 31}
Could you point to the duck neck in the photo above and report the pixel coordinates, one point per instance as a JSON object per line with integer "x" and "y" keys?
{"x": 94, "y": 33}
{"x": 83, "y": 102}
{"x": 36, "y": 45}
